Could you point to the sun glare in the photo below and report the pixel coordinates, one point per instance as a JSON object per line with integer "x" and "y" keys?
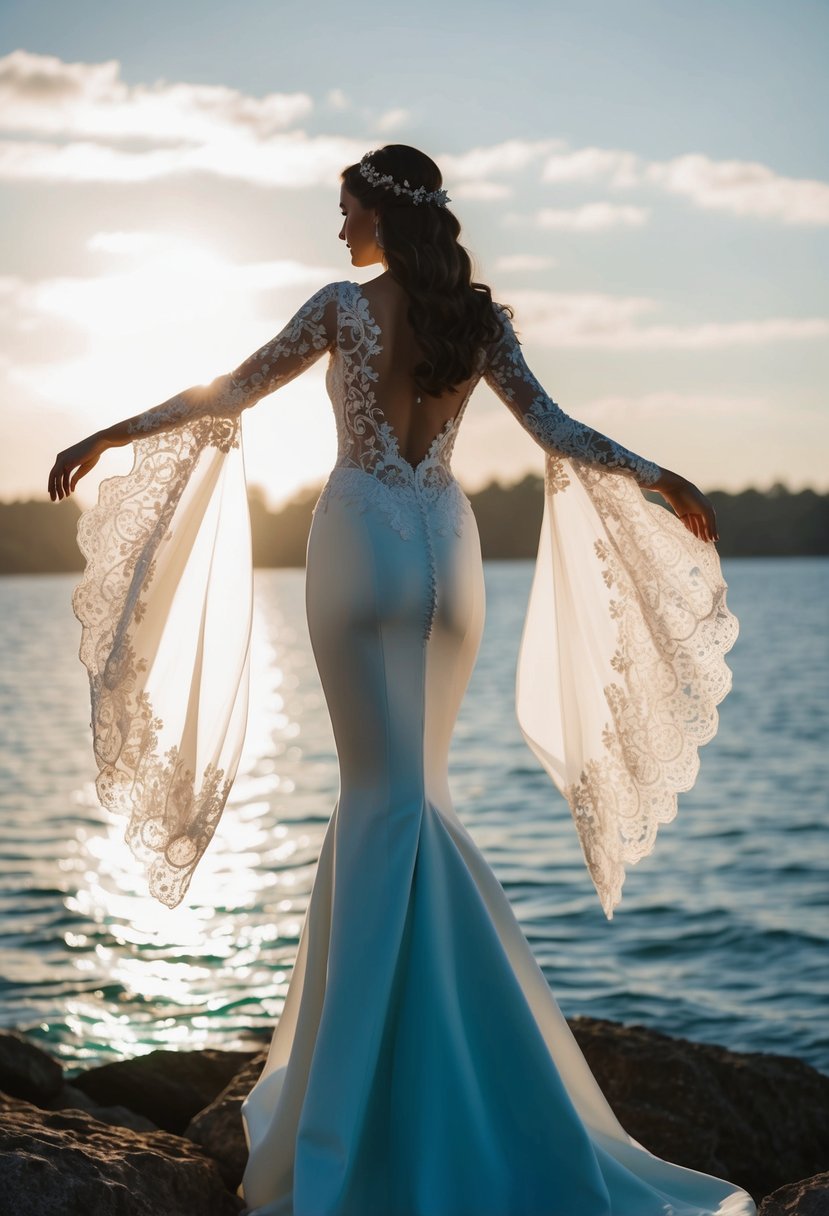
{"x": 160, "y": 312}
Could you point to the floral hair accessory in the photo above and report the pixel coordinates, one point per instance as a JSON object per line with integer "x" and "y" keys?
{"x": 419, "y": 195}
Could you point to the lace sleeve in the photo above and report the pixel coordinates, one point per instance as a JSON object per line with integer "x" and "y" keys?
{"x": 508, "y": 375}
{"x": 621, "y": 662}
{"x": 310, "y": 332}
{"x": 165, "y": 608}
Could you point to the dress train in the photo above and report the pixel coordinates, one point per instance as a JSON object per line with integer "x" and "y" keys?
{"x": 421, "y": 1065}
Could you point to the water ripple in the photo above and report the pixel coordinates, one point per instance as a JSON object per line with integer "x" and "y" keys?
{"x": 721, "y": 934}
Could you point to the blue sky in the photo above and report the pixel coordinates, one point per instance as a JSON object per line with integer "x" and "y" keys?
{"x": 647, "y": 184}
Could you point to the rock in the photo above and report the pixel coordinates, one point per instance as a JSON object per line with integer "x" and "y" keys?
{"x": 807, "y": 1198}
{"x": 26, "y": 1071}
{"x": 71, "y": 1098}
{"x": 167, "y": 1087}
{"x": 757, "y": 1119}
{"x": 66, "y": 1162}
{"x": 218, "y": 1128}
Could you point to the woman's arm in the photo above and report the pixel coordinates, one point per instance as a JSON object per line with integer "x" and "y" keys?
{"x": 510, "y": 378}
{"x": 310, "y": 332}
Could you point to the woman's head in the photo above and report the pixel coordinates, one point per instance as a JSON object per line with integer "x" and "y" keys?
{"x": 416, "y": 238}
{"x": 378, "y": 217}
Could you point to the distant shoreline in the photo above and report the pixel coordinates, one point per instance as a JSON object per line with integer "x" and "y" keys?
{"x": 39, "y": 537}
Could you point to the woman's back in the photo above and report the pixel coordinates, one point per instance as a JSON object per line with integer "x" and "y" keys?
{"x": 414, "y": 416}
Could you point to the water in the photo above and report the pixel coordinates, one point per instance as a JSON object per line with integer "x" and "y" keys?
{"x": 721, "y": 935}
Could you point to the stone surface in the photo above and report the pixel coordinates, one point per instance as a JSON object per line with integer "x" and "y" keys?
{"x": 757, "y": 1119}
{"x": 66, "y": 1163}
{"x": 810, "y": 1197}
{"x": 167, "y": 1087}
{"x": 218, "y": 1128}
{"x": 71, "y": 1098}
{"x": 25, "y": 1070}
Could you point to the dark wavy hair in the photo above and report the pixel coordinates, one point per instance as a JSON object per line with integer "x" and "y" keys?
{"x": 452, "y": 316}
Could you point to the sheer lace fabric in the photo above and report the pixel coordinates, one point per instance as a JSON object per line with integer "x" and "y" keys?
{"x": 621, "y": 662}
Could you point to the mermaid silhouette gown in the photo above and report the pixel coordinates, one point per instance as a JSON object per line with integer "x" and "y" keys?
{"x": 421, "y": 1065}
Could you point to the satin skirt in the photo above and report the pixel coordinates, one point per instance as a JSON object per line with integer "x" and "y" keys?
{"x": 421, "y": 1065}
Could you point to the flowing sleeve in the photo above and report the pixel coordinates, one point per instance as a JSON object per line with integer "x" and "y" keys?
{"x": 621, "y": 662}
{"x": 165, "y": 607}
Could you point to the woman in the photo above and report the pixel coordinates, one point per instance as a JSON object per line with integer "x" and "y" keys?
{"x": 421, "y": 1065}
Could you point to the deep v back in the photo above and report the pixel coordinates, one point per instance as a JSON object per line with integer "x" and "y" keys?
{"x": 382, "y": 395}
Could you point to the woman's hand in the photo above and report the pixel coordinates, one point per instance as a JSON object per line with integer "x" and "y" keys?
{"x": 690, "y": 504}
{"x": 82, "y": 457}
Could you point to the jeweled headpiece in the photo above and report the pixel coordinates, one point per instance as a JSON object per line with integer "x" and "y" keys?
{"x": 419, "y": 195}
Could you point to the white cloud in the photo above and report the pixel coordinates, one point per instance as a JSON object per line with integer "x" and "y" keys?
{"x": 743, "y": 188}
{"x": 82, "y": 122}
{"x": 592, "y": 217}
{"x": 392, "y": 119}
{"x": 290, "y": 161}
{"x": 585, "y": 319}
{"x": 519, "y": 262}
{"x": 42, "y": 94}
{"x": 337, "y": 99}
{"x": 510, "y": 156}
{"x": 590, "y": 164}
{"x": 153, "y": 131}
{"x": 481, "y": 190}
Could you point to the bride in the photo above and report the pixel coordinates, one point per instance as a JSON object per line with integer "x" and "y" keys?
{"x": 421, "y": 1065}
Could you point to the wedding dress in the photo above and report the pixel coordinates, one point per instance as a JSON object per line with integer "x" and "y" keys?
{"x": 421, "y": 1065}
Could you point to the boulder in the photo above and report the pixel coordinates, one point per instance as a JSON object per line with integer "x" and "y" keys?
{"x": 757, "y": 1119}
{"x": 26, "y": 1071}
{"x": 166, "y": 1087}
{"x": 218, "y": 1128}
{"x": 807, "y": 1198}
{"x": 66, "y": 1162}
{"x": 71, "y": 1098}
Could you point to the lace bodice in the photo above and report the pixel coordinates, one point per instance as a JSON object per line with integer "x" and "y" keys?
{"x": 337, "y": 320}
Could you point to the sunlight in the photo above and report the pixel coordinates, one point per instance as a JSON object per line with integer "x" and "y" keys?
{"x": 173, "y": 313}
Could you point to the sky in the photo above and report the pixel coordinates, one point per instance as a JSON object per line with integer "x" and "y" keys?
{"x": 647, "y": 184}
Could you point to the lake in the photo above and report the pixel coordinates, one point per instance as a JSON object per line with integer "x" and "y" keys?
{"x": 721, "y": 935}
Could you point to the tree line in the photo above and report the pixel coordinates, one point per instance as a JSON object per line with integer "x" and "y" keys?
{"x": 39, "y": 537}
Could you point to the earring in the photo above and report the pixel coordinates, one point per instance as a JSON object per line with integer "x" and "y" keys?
{"x": 377, "y": 240}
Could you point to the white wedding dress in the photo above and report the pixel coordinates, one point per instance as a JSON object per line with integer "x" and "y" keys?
{"x": 421, "y": 1065}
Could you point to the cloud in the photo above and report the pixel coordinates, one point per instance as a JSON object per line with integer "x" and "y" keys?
{"x": 519, "y": 262}
{"x": 81, "y": 122}
{"x": 511, "y": 156}
{"x": 587, "y": 319}
{"x": 482, "y": 190}
{"x": 42, "y": 94}
{"x": 621, "y": 169}
{"x": 392, "y": 119}
{"x": 290, "y": 161}
{"x": 592, "y": 217}
{"x": 337, "y": 99}
{"x": 95, "y": 128}
{"x": 745, "y": 188}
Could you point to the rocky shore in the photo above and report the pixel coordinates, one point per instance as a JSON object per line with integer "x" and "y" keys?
{"x": 161, "y": 1135}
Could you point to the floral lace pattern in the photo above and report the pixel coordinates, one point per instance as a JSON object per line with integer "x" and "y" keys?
{"x": 370, "y": 471}
{"x": 673, "y": 631}
{"x": 560, "y": 435}
{"x": 172, "y": 812}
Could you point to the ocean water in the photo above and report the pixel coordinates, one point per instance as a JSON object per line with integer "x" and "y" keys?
{"x": 721, "y": 935}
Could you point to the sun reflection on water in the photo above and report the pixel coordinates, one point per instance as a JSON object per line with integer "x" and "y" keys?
{"x": 154, "y": 976}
